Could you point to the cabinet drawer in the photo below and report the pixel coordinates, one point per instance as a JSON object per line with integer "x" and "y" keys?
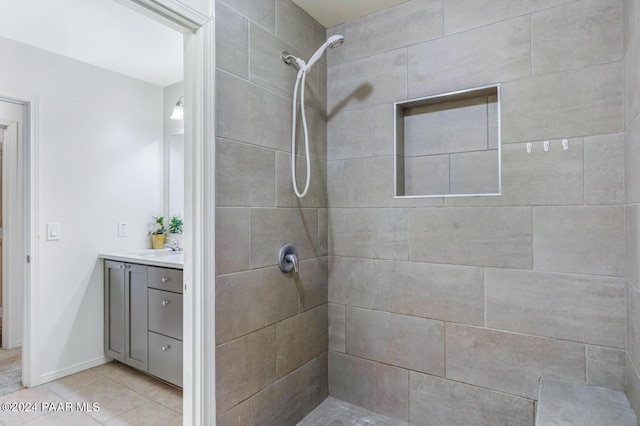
{"x": 165, "y": 313}
{"x": 165, "y": 358}
{"x": 165, "y": 279}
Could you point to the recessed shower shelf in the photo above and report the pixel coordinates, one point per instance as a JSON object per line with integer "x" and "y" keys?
{"x": 448, "y": 145}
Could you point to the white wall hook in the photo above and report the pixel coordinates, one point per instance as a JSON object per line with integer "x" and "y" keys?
{"x": 529, "y": 147}
{"x": 565, "y": 144}
{"x": 546, "y": 146}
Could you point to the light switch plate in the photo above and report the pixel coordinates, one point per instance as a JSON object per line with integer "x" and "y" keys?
{"x": 53, "y": 231}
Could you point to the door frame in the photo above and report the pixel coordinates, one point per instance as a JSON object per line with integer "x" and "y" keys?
{"x": 199, "y": 230}
{"x": 12, "y": 208}
{"x": 199, "y": 199}
{"x": 25, "y": 235}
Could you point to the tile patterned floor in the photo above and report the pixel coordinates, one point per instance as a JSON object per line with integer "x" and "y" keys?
{"x": 10, "y": 370}
{"x": 126, "y": 397}
{"x": 334, "y": 412}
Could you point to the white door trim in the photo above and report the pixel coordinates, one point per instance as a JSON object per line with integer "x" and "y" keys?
{"x": 26, "y": 236}
{"x": 199, "y": 215}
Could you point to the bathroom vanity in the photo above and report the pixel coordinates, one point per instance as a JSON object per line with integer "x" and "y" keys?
{"x": 143, "y": 311}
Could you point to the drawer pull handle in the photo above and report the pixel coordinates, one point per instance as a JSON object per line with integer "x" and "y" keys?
{"x": 121, "y": 266}
{"x": 165, "y": 302}
{"x": 165, "y": 280}
{"x": 166, "y": 348}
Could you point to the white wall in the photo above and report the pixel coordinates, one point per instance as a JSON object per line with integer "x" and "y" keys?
{"x": 100, "y": 162}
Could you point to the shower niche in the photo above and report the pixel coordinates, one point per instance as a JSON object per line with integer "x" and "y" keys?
{"x": 448, "y": 145}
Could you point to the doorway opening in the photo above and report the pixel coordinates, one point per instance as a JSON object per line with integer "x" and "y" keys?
{"x": 199, "y": 213}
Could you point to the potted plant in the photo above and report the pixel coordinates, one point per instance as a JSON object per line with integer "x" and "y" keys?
{"x": 175, "y": 225}
{"x": 158, "y": 233}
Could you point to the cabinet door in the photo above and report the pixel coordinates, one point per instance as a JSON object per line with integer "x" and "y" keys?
{"x": 136, "y": 323}
{"x": 114, "y": 285}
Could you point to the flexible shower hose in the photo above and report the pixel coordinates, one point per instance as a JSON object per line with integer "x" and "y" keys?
{"x": 302, "y": 75}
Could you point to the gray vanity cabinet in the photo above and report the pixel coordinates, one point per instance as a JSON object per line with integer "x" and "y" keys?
{"x": 125, "y": 322}
{"x": 143, "y": 318}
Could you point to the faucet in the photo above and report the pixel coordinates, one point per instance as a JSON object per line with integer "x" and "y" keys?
{"x": 173, "y": 244}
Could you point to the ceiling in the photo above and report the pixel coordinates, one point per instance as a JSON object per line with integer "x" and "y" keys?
{"x": 333, "y": 12}
{"x": 99, "y": 32}
{"x": 109, "y": 35}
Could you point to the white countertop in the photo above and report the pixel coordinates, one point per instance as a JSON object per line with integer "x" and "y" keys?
{"x": 163, "y": 257}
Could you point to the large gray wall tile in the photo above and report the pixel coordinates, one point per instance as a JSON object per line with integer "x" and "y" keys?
{"x": 372, "y": 34}
{"x": 383, "y": 129}
{"x": 444, "y": 292}
{"x": 437, "y": 402}
{"x": 457, "y": 126}
{"x": 604, "y": 169}
{"x": 267, "y": 69}
{"x": 583, "y": 240}
{"x": 377, "y": 387}
{"x": 323, "y": 232}
{"x": 317, "y": 193}
{"x": 245, "y": 175}
{"x": 556, "y": 105}
{"x": 633, "y": 324}
{"x": 350, "y": 134}
{"x": 368, "y": 182}
{"x": 245, "y": 366}
{"x": 500, "y": 237}
{"x": 533, "y": 178}
{"x": 300, "y": 339}
{"x": 427, "y": 175}
{"x": 632, "y": 261}
{"x": 232, "y": 240}
{"x": 508, "y": 362}
{"x": 605, "y": 367}
{"x": 460, "y": 15}
{"x": 298, "y": 28}
{"x": 313, "y": 282}
{"x": 351, "y": 281}
{"x": 631, "y": 161}
{"x": 597, "y": 24}
{"x": 373, "y": 233}
{"x": 262, "y": 12}
{"x": 629, "y": 22}
{"x": 581, "y": 308}
{"x": 252, "y": 114}
{"x": 270, "y": 228}
{"x": 475, "y": 172}
{"x": 288, "y": 400}
{"x": 632, "y": 387}
{"x": 487, "y": 55}
{"x": 631, "y": 76}
{"x": 377, "y": 336}
{"x": 263, "y": 296}
{"x": 239, "y": 415}
{"x": 368, "y": 81}
{"x": 232, "y": 41}
{"x": 337, "y": 330}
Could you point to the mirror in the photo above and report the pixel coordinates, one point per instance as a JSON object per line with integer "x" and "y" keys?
{"x": 448, "y": 145}
{"x": 176, "y": 175}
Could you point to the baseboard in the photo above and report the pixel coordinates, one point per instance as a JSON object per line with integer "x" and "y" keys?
{"x": 55, "y": 375}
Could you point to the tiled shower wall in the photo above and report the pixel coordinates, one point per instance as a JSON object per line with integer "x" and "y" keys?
{"x": 631, "y": 73}
{"x": 271, "y": 328}
{"x": 448, "y": 311}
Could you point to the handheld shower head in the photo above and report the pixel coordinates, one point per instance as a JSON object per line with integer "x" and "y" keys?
{"x": 335, "y": 41}
{"x": 332, "y": 42}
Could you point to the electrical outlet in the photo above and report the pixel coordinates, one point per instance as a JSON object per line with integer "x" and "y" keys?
{"x": 123, "y": 229}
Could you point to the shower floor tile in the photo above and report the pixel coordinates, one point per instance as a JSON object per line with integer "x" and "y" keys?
{"x": 334, "y": 412}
